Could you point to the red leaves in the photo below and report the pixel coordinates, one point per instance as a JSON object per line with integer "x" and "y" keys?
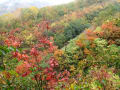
{"x": 53, "y": 78}
{"x": 44, "y": 25}
{"x": 34, "y": 52}
{"x": 53, "y": 63}
{"x": 47, "y": 26}
{"x": 2, "y": 33}
{"x": 25, "y": 74}
{"x": 20, "y": 56}
{"x": 47, "y": 74}
{"x": 32, "y": 60}
{"x": 16, "y": 44}
{"x": 23, "y": 69}
{"x": 64, "y": 76}
{"x": 100, "y": 74}
{"x": 50, "y": 76}
{"x": 15, "y": 54}
{"x": 12, "y": 32}
{"x": 13, "y": 41}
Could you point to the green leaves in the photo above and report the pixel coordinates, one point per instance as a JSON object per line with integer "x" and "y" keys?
{"x": 12, "y": 72}
{"x": 4, "y": 50}
{"x": 100, "y": 42}
{"x": 2, "y": 68}
{"x": 75, "y": 28}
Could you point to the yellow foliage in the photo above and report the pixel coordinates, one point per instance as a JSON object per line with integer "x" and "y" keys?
{"x": 2, "y": 81}
{"x": 53, "y": 24}
{"x": 29, "y": 37}
{"x": 76, "y": 56}
{"x": 72, "y": 68}
{"x": 58, "y": 54}
{"x": 86, "y": 51}
{"x": 74, "y": 16}
{"x": 72, "y": 87}
{"x": 34, "y": 10}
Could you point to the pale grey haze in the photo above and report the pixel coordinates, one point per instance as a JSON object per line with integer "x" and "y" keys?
{"x": 11, "y": 5}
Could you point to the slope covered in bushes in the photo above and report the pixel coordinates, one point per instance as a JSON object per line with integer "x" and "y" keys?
{"x": 94, "y": 60}
{"x": 68, "y": 47}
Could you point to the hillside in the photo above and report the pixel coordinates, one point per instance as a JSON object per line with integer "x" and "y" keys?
{"x": 74, "y": 46}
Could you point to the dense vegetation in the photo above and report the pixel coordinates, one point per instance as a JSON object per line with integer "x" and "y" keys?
{"x": 67, "y": 47}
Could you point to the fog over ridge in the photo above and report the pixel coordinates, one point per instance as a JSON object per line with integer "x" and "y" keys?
{"x": 11, "y": 5}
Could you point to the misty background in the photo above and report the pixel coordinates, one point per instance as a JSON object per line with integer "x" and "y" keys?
{"x": 11, "y": 5}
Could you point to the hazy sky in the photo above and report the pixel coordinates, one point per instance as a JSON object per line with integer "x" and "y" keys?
{"x": 58, "y": 1}
{"x": 48, "y": 1}
{"x": 11, "y": 5}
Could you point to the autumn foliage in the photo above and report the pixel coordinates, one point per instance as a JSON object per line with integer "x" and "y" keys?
{"x": 61, "y": 48}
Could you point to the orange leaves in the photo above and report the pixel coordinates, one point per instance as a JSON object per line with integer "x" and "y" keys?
{"x": 100, "y": 33}
{"x": 79, "y": 43}
{"x": 91, "y": 38}
{"x": 88, "y": 31}
{"x": 86, "y": 51}
{"x": 110, "y": 32}
{"x": 92, "y": 45}
{"x": 58, "y": 53}
{"x": 91, "y": 35}
{"x": 104, "y": 26}
{"x": 110, "y": 27}
{"x": 107, "y": 26}
{"x": 111, "y": 42}
{"x": 6, "y": 74}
